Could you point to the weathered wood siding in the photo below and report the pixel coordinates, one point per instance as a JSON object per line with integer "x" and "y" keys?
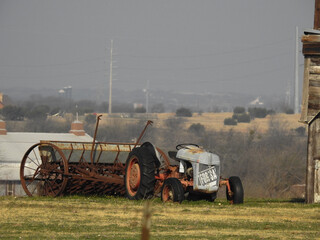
{"x": 313, "y": 162}
{"x": 311, "y": 83}
{"x": 310, "y": 114}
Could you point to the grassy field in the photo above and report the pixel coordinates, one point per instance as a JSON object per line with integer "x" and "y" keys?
{"x": 214, "y": 121}
{"x": 118, "y": 218}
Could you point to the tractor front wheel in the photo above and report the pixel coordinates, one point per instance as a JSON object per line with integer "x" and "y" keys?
{"x": 172, "y": 191}
{"x": 236, "y": 195}
{"x": 140, "y": 174}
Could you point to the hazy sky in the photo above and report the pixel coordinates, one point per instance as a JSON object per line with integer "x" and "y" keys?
{"x": 203, "y": 46}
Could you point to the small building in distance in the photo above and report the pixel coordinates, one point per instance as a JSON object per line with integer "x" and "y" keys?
{"x": 66, "y": 93}
{"x": 13, "y": 146}
{"x": 256, "y": 103}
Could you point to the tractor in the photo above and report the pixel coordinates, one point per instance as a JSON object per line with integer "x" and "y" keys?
{"x": 195, "y": 175}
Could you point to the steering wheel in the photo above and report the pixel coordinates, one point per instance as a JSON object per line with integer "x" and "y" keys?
{"x": 185, "y": 145}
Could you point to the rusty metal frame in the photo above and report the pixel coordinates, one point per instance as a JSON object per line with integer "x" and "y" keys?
{"x": 84, "y": 176}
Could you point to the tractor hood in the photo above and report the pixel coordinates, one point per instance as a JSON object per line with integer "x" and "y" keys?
{"x": 198, "y": 155}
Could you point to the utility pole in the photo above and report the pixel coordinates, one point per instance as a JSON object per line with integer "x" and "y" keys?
{"x": 110, "y": 80}
{"x": 147, "y": 97}
{"x": 296, "y": 75}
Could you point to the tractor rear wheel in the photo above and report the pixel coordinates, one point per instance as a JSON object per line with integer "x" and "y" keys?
{"x": 172, "y": 191}
{"x": 236, "y": 188}
{"x": 140, "y": 174}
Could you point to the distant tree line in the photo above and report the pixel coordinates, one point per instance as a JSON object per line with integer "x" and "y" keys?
{"x": 38, "y": 107}
{"x": 241, "y": 116}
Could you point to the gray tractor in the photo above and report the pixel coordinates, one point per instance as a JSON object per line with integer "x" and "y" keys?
{"x": 196, "y": 175}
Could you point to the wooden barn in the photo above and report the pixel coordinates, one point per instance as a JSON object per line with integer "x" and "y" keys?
{"x": 310, "y": 109}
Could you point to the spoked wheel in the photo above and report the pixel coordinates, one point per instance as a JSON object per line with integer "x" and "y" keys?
{"x": 43, "y": 170}
{"x": 172, "y": 191}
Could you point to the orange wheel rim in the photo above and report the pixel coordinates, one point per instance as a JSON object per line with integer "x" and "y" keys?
{"x": 133, "y": 176}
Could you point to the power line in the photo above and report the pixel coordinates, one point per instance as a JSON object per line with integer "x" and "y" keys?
{"x": 51, "y": 65}
{"x": 55, "y": 76}
{"x": 210, "y": 54}
{"x": 208, "y": 67}
{"x": 249, "y": 75}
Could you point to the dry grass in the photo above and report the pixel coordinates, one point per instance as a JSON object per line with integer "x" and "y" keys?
{"x": 119, "y": 218}
{"x": 214, "y": 121}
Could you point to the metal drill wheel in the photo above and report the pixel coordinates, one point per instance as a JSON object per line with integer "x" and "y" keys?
{"x": 43, "y": 170}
